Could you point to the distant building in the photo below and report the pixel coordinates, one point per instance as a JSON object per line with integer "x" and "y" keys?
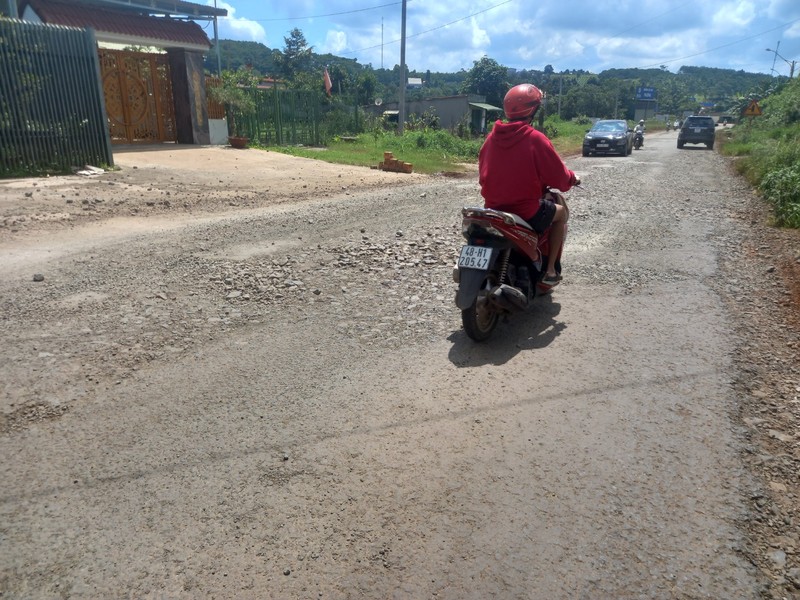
{"x": 414, "y": 83}
{"x": 450, "y": 111}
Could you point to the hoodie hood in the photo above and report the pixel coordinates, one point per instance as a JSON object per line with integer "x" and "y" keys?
{"x": 510, "y": 134}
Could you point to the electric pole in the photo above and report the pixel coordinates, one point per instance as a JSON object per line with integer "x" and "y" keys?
{"x": 401, "y": 115}
{"x": 777, "y": 56}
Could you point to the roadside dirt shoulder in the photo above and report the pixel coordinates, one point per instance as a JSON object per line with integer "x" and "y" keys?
{"x": 181, "y": 180}
{"x": 762, "y": 286}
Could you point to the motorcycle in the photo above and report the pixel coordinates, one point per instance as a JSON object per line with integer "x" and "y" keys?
{"x": 638, "y": 139}
{"x": 501, "y": 267}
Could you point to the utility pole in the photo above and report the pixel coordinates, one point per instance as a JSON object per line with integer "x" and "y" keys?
{"x": 401, "y": 116}
{"x": 216, "y": 44}
{"x": 777, "y": 56}
{"x": 560, "y": 89}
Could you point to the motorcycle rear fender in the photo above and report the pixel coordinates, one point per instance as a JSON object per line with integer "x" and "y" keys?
{"x": 469, "y": 284}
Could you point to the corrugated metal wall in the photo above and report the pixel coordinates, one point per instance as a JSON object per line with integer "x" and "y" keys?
{"x": 52, "y": 111}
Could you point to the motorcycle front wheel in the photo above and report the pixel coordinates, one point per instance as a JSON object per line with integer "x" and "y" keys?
{"x": 480, "y": 318}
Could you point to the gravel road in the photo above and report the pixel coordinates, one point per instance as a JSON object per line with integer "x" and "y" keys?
{"x": 242, "y": 375}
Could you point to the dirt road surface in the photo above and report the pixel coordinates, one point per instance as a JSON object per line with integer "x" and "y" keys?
{"x": 235, "y": 374}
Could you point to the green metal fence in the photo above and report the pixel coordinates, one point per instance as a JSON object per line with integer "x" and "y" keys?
{"x": 283, "y": 117}
{"x": 289, "y": 117}
{"x": 52, "y": 111}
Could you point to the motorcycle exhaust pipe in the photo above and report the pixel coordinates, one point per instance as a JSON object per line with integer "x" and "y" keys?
{"x": 508, "y": 298}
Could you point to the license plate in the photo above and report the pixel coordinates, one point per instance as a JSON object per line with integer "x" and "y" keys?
{"x": 602, "y": 145}
{"x": 475, "y": 257}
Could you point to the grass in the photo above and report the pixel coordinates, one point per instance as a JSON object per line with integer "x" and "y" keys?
{"x": 566, "y": 136}
{"x": 429, "y": 150}
{"x": 767, "y": 149}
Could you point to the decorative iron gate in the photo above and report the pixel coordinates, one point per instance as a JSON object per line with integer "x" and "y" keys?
{"x": 138, "y": 93}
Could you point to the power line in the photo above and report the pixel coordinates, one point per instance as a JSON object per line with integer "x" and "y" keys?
{"x": 722, "y": 46}
{"x": 432, "y": 29}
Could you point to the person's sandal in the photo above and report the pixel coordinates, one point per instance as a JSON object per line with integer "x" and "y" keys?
{"x": 551, "y": 280}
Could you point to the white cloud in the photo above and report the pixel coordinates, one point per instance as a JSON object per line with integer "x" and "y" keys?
{"x": 737, "y": 15}
{"x": 231, "y": 27}
{"x": 783, "y": 10}
{"x": 480, "y": 37}
{"x": 581, "y": 34}
{"x": 335, "y": 42}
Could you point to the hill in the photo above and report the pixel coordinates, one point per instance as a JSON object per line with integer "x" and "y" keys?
{"x": 608, "y": 93}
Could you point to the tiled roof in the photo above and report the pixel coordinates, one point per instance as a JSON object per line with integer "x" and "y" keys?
{"x": 111, "y": 25}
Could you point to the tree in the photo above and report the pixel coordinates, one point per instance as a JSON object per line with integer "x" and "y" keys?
{"x": 366, "y": 87}
{"x": 487, "y": 78}
{"x": 296, "y": 55}
{"x": 340, "y": 79}
{"x": 236, "y": 93}
{"x": 673, "y": 98}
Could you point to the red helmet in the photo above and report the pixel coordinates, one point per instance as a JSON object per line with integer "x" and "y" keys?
{"x": 522, "y": 101}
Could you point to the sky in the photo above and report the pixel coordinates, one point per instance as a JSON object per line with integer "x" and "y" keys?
{"x": 450, "y": 35}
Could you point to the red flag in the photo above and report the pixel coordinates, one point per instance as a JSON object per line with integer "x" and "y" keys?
{"x": 327, "y": 79}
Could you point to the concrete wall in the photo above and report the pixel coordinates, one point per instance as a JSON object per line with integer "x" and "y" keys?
{"x": 218, "y": 131}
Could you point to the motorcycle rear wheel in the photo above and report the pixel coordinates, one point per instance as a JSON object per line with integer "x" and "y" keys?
{"x": 480, "y": 319}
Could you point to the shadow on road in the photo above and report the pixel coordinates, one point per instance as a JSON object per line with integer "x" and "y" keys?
{"x": 534, "y": 329}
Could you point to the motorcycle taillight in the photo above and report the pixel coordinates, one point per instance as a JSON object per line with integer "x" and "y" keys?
{"x": 473, "y": 229}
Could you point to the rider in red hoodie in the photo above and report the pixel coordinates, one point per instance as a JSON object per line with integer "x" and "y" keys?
{"x": 518, "y": 163}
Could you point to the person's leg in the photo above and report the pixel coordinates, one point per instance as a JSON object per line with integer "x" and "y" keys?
{"x": 557, "y": 232}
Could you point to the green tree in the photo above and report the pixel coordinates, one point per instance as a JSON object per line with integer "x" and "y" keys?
{"x": 367, "y": 87}
{"x": 591, "y": 99}
{"x": 487, "y": 78}
{"x": 340, "y": 79}
{"x": 236, "y": 93}
{"x": 296, "y": 55}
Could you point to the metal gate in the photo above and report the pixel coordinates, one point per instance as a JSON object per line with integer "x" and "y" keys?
{"x": 51, "y": 104}
{"x": 138, "y": 93}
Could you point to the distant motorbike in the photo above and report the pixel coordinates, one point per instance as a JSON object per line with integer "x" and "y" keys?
{"x": 500, "y": 268}
{"x": 638, "y": 139}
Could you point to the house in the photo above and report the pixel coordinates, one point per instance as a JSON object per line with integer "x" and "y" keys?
{"x": 414, "y": 83}
{"x": 451, "y": 111}
{"x": 156, "y": 92}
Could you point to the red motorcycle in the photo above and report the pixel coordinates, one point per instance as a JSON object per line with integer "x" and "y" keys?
{"x": 500, "y": 268}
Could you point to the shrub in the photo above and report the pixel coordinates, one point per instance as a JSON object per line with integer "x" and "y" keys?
{"x": 781, "y": 187}
{"x": 550, "y": 130}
